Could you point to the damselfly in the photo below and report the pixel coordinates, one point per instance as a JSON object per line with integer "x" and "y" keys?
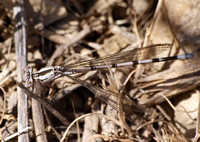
{"x": 136, "y": 56}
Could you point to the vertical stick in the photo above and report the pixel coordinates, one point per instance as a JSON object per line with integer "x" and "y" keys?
{"x": 20, "y": 47}
{"x": 38, "y": 115}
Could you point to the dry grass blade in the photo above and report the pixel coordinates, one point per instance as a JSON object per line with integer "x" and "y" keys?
{"x": 179, "y": 81}
{"x": 81, "y": 117}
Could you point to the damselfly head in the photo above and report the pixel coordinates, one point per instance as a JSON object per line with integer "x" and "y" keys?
{"x": 27, "y": 77}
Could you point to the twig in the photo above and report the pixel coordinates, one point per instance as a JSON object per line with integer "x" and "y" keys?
{"x": 17, "y": 134}
{"x": 45, "y": 104}
{"x": 6, "y": 78}
{"x": 20, "y": 48}
{"x": 4, "y": 105}
{"x": 75, "y": 39}
{"x": 38, "y": 115}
